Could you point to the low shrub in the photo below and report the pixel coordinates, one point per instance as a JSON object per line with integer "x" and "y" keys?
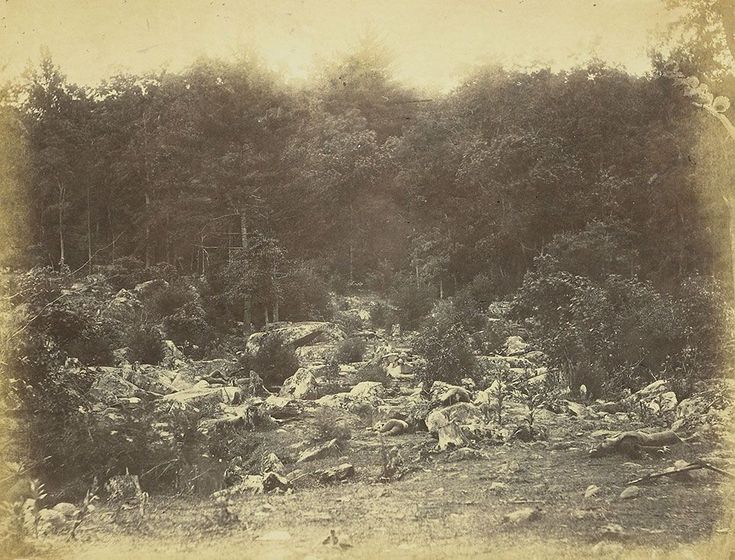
{"x": 350, "y": 350}
{"x": 348, "y": 322}
{"x": 372, "y": 371}
{"x": 382, "y": 315}
{"x": 413, "y": 303}
{"x": 274, "y": 361}
{"x": 446, "y": 349}
{"x": 146, "y": 344}
{"x": 495, "y": 333}
{"x": 329, "y": 425}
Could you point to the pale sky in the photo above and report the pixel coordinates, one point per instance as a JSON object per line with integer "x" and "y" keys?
{"x": 434, "y": 42}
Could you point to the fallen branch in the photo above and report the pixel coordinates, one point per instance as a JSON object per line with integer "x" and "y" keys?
{"x": 696, "y": 465}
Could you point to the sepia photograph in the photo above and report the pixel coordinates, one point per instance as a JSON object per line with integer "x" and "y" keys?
{"x": 367, "y": 279}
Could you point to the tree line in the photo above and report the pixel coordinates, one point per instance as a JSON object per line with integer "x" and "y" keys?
{"x": 359, "y": 177}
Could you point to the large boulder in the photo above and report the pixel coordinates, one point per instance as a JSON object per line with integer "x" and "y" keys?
{"x": 110, "y": 387}
{"x": 656, "y": 397}
{"x": 172, "y": 356}
{"x": 368, "y": 390}
{"x": 202, "y": 393}
{"x": 282, "y": 408}
{"x": 462, "y": 414}
{"x": 444, "y": 394}
{"x": 207, "y": 368}
{"x": 316, "y": 353}
{"x": 296, "y": 334}
{"x": 335, "y": 400}
{"x": 318, "y": 452}
{"x": 301, "y": 385}
{"x": 155, "y": 379}
{"x": 515, "y": 345}
{"x": 124, "y": 308}
{"x": 147, "y": 289}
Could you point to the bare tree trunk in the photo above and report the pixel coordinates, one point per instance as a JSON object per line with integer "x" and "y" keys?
{"x": 89, "y": 233}
{"x": 167, "y": 248}
{"x": 441, "y": 288}
{"x": 62, "y": 193}
{"x": 352, "y": 263}
{"x": 243, "y": 230}
{"x": 265, "y": 310}
{"x": 247, "y": 317}
{"x": 147, "y": 230}
{"x": 275, "y": 311}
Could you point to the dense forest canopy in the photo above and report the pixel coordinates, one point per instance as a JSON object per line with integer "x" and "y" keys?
{"x": 360, "y": 174}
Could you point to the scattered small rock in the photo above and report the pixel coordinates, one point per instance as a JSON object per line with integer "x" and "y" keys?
{"x": 274, "y": 481}
{"x": 522, "y": 515}
{"x": 497, "y": 486}
{"x": 630, "y": 492}
{"x": 336, "y": 474}
{"x": 612, "y": 531}
{"x": 317, "y": 452}
{"x": 591, "y": 491}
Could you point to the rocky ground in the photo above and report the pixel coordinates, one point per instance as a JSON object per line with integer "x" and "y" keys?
{"x": 343, "y": 466}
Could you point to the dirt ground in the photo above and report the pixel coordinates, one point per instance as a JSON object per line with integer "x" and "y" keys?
{"x": 448, "y": 505}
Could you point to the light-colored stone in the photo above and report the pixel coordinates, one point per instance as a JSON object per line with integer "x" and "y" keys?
{"x": 66, "y": 509}
{"x": 522, "y": 515}
{"x": 297, "y": 334}
{"x": 301, "y": 385}
{"x": 202, "y": 394}
{"x": 318, "y": 452}
{"x": 336, "y": 474}
{"x": 630, "y": 492}
{"x": 51, "y": 522}
{"x": 515, "y": 345}
{"x": 368, "y": 390}
{"x": 450, "y": 435}
{"x": 110, "y": 387}
{"x": 316, "y": 353}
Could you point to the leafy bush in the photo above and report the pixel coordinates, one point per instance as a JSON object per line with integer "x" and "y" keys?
{"x": 94, "y": 345}
{"x": 146, "y": 345}
{"x": 329, "y": 425}
{"x": 495, "y": 333}
{"x": 350, "y": 350}
{"x": 372, "y": 371}
{"x": 462, "y": 309}
{"x": 599, "y": 250}
{"x": 483, "y": 290}
{"x": 274, "y": 361}
{"x": 125, "y": 273}
{"x": 304, "y": 294}
{"x": 171, "y": 299}
{"x": 413, "y": 303}
{"x": 446, "y": 348}
{"x": 348, "y": 322}
{"x": 188, "y": 327}
{"x": 382, "y": 315}
{"x": 618, "y": 332}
